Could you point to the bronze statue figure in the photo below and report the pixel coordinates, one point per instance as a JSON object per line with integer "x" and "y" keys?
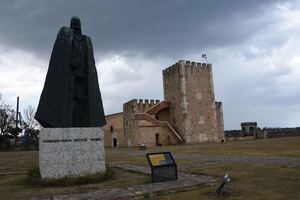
{"x": 71, "y": 96}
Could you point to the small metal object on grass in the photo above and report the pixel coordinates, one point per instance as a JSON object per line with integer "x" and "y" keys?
{"x": 143, "y": 147}
{"x": 223, "y": 189}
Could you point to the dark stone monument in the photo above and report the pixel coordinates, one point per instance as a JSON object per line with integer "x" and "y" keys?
{"x": 71, "y": 95}
{"x": 71, "y": 141}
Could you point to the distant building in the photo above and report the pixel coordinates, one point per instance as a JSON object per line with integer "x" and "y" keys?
{"x": 188, "y": 114}
{"x": 281, "y": 132}
{"x": 249, "y": 128}
{"x": 114, "y": 130}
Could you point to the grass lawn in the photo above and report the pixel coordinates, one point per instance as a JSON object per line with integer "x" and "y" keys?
{"x": 289, "y": 146}
{"x": 249, "y": 181}
{"x": 18, "y": 161}
{"x": 16, "y": 187}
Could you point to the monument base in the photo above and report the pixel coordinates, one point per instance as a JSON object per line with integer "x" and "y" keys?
{"x": 71, "y": 152}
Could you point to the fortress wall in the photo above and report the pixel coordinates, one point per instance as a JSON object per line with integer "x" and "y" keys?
{"x": 220, "y": 121}
{"x": 131, "y": 133}
{"x": 114, "y": 129}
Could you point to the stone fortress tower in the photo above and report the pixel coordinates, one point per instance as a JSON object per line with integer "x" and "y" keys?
{"x": 193, "y": 112}
{"x": 188, "y": 114}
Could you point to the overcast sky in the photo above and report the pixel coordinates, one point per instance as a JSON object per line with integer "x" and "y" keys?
{"x": 253, "y": 46}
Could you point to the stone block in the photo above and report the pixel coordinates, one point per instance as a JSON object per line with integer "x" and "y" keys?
{"x": 71, "y": 152}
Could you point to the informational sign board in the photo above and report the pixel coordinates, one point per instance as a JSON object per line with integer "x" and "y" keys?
{"x": 163, "y": 166}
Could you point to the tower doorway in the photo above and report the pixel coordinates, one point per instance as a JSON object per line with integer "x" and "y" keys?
{"x": 115, "y": 142}
{"x": 157, "y": 139}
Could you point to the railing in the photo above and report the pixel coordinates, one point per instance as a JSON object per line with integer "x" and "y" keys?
{"x": 147, "y": 117}
{"x": 157, "y": 107}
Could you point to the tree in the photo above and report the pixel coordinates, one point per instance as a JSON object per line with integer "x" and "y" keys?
{"x": 31, "y": 126}
{"x": 7, "y": 124}
{"x": 7, "y": 119}
{"x": 29, "y": 122}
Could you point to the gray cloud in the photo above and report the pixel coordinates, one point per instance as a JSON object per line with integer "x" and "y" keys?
{"x": 172, "y": 28}
{"x": 253, "y": 46}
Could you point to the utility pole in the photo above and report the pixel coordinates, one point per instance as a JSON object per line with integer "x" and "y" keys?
{"x": 17, "y": 113}
{"x": 16, "y": 130}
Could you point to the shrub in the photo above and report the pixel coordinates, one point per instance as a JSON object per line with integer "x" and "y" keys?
{"x": 34, "y": 175}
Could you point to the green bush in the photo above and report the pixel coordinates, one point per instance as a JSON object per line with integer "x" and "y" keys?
{"x": 34, "y": 175}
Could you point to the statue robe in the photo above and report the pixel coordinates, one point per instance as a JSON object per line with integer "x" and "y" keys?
{"x": 57, "y": 104}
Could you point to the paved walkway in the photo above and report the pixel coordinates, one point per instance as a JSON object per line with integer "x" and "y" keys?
{"x": 11, "y": 173}
{"x": 185, "y": 182}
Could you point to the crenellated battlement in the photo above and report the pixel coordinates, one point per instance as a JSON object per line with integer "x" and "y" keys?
{"x": 189, "y": 66}
{"x": 148, "y": 101}
{"x": 218, "y": 104}
{"x": 171, "y": 69}
{"x": 139, "y": 105}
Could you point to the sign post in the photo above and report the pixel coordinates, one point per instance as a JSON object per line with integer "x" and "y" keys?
{"x": 163, "y": 166}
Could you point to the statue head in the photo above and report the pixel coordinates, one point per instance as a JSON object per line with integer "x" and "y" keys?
{"x": 76, "y": 25}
